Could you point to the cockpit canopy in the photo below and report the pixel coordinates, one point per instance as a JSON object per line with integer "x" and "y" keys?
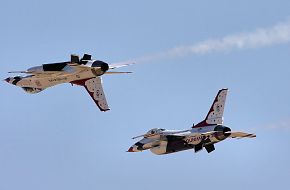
{"x": 155, "y": 131}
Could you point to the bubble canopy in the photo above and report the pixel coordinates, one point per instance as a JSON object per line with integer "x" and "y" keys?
{"x": 155, "y": 131}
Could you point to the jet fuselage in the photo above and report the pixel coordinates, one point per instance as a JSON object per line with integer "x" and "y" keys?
{"x": 49, "y": 76}
{"x": 181, "y": 140}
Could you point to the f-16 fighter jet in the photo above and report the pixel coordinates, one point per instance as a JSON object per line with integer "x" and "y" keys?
{"x": 203, "y": 135}
{"x": 84, "y": 72}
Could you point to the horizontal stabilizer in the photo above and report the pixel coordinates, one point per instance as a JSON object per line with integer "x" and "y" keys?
{"x": 112, "y": 72}
{"x": 240, "y": 134}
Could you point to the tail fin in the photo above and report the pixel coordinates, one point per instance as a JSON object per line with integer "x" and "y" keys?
{"x": 215, "y": 114}
{"x": 95, "y": 89}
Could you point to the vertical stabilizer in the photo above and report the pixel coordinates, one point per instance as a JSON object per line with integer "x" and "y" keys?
{"x": 215, "y": 114}
{"x": 95, "y": 89}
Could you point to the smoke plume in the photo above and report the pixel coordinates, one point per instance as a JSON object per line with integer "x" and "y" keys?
{"x": 261, "y": 37}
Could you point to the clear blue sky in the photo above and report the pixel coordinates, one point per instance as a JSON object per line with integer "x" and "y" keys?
{"x": 58, "y": 139}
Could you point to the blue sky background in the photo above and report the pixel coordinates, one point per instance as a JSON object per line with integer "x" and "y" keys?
{"x": 58, "y": 139}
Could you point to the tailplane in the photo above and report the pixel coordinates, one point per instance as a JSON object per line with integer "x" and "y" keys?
{"x": 215, "y": 114}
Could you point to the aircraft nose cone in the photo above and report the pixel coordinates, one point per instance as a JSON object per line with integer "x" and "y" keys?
{"x": 130, "y": 149}
{"x": 7, "y": 80}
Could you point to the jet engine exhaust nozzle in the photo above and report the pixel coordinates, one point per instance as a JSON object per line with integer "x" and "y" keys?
{"x": 222, "y": 132}
{"x": 104, "y": 66}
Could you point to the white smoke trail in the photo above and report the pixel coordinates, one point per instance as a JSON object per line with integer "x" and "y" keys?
{"x": 261, "y": 37}
{"x": 283, "y": 124}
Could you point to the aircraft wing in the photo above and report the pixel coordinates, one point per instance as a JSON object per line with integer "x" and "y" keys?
{"x": 241, "y": 135}
{"x": 95, "y": 89}
{"x": 178, "y": 134}
{"x": 40, "y": 73}
{"x": 29, "y": 72}
{"x": 36, "y": 72}
{"x": 202, "y": 134}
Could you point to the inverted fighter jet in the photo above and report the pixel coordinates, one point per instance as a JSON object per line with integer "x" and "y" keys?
{"x": 203, "y": 135}
{"x": 84, "y": 72}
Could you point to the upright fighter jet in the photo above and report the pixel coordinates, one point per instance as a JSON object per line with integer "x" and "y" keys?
{"x": 203, "y": 135}
{"x": 84, "y": 72}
